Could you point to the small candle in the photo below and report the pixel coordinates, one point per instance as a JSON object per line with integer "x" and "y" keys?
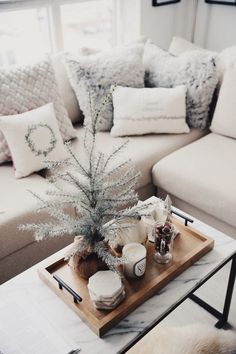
{"x": 136, "y": 255}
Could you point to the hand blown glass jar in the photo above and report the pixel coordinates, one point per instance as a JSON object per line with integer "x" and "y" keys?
{"x": 163, "y": 241}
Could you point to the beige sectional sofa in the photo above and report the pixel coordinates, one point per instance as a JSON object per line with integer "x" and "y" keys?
{"x": 18, "y": 249}
{"x": 197, "y": 169}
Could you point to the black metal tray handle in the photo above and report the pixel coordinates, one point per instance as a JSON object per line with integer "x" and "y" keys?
{"x": 62, "y": 285}
{"x": 186, "y": 218}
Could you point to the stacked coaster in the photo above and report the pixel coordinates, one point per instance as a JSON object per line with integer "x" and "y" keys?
{"x": 106, "y": 290}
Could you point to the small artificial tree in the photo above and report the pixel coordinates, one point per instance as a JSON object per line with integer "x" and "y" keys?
{"x": 98, "y": 189}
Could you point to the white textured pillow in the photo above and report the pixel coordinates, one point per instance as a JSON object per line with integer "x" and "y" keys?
{"x": 96, "y": 73}
{"x": 139, "y": 111}
{"x": 227, "y": 60}
{"x": 65, "y": 89}
{"x": 195, "y": 69}
{"x": 224, "y": 119}
{"x": 180, "y": 45}
{"x": 25, "y": 88}
{"x": 33, "y": 137}
{"x": 64, "y": 86}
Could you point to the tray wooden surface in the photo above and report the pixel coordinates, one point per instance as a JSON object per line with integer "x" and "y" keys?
{"x": 189, "y": 246}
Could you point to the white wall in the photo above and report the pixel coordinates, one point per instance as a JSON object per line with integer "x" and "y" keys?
{"x": 211, "y": 26}
{"x": 215, "y": 26}
{"x": 140, "y": 18}
{"x": 163, "y": 22}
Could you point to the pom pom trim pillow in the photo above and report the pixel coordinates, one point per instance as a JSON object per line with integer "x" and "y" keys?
{"x": 33, "y": 137}
{"x": 94, "y": 74}
{"x": 24, "y": 88}
{"x": 139, "y": 111}
{"x": 195, "y": 69}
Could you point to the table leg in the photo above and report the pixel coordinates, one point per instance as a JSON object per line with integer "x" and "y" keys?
{"x": 222, "y": 317}
{"x": 223, "y": 320}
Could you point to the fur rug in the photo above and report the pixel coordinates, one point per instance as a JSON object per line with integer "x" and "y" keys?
{"x": 195, "y": 339}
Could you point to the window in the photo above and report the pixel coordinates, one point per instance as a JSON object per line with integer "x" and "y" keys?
{"x": 24, "y": 35}
{"x": 87, "y": 24}
{"x": 30, "y": 29}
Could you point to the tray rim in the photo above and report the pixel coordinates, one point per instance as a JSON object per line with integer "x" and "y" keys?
{"x": 101, "y": 326}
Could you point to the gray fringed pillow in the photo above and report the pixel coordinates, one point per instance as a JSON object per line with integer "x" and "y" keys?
{"x": 96, "y": 73}
{"x": 195, "y": 69}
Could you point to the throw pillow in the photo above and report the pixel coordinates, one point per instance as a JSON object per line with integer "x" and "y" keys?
{"x": 64, "y": 86}
{"x": 227, "y": 59}
{"x": 224, "y": 119}
{"x": 65, "y": 89}
{"x": 33, "y": 137}
{"x": 180, "y": 45}
{"x": 190, "y": 339}
{"x": 195, "y": 69}
{"x": 96, "y": 73}
{"x": 25, "y": 88}
{"x": 149, "y": 110}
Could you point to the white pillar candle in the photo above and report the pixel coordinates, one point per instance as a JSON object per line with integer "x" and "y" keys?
{"x": 135, "y": 255}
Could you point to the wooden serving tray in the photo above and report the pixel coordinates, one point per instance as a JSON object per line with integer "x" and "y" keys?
{"x": 189, "y": 246}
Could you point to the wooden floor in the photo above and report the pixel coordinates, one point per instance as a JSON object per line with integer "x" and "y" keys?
{"x": 212, "y": 292}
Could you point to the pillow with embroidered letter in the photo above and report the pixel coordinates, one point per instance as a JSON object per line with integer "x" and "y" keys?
{"x": 139, "y": 111}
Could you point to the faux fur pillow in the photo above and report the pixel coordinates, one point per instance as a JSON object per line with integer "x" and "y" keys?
{"x": 25, "y": 88}
{"x": 192, "y": 339}
{"x": 195, "y": 69}
{"x": 96, "y": 73}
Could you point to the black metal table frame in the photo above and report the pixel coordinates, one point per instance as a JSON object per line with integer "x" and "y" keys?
{"x": 221, "y": 316}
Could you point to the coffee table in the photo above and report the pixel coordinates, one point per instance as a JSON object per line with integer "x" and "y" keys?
{"x": 47, "y": 316}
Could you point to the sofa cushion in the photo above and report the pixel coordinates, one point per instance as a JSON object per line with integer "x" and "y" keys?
{"x": 17, "y": 206}
{"x": 202, "y": 174}
{"x": 144, "y": 151}
{"x": 224, "y": 119}
{"x": 227, "y": 58}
